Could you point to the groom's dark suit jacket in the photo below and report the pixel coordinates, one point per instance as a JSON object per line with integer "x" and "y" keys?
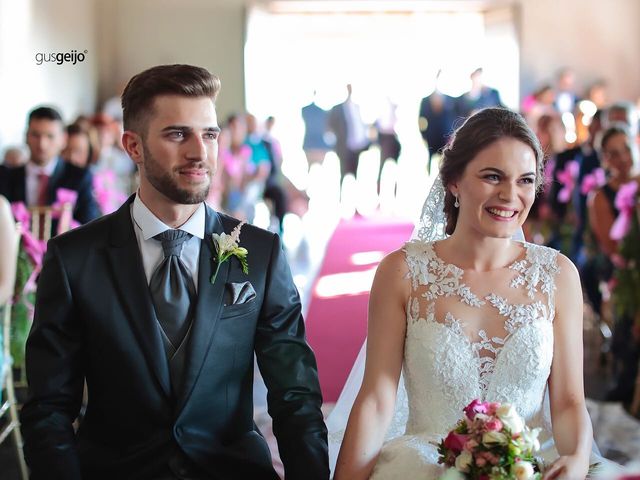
{"x": 94, "y": 319}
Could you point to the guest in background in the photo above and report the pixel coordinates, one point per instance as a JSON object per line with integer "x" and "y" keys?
{"x": 387, "y": 134}
{"x": 37, "y": 182}
{"x": 274, "y": 189}
{"x": 436, "y": 120}
{"x": 478, "y": 97}
{"x": 14, "y": 157}
{"x": 110, "y": 156}
{"x": 350, "y": 131}
{"x": 78, "y": 151}
{"x": 616, "y": 147}
{"x": 315, "y": 143}
{"x": 566, "y": 97}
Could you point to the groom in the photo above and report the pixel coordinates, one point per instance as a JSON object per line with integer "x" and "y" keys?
{"x": 128, "y": 304}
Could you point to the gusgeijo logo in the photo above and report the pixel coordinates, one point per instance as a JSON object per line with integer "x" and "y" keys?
{"x": 72, "y": 57}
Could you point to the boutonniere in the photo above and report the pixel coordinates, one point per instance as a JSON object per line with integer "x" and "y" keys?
{"x": 226, "y": 246}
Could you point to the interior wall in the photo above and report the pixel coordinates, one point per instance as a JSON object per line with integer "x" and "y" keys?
{"x": 137, "y": 34}
{"x": 31, "y": 27}
{"x": 596, "y": 39}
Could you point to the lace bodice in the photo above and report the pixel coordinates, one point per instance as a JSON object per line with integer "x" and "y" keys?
{"x": 477, "y": 335}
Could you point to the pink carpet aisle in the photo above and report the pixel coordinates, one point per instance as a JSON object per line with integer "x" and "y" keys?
{"x": 337, "y": 316}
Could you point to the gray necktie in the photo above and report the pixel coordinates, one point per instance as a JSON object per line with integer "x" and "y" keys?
{"x": 172, "y": 288}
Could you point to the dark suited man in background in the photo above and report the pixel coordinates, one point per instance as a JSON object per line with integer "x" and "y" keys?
{"x": 37, "y": 182}
{"x": 351, "y": 133}
{"x": 128, "y": 303}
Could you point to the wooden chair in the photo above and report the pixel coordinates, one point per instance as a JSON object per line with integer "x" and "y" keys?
{"x": 42, "y": 218}
{"x": 9, "y": 407}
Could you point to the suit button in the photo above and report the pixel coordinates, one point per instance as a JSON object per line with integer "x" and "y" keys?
{"x": 179, "y": 431}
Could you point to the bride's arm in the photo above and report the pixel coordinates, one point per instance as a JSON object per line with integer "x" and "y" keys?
{"x": 373, "y": 408}
{"x": 571, "y": 424}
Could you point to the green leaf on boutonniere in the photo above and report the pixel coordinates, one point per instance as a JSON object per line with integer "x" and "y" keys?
{"x": 226, "y": 246}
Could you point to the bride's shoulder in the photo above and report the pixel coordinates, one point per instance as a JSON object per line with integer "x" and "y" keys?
{"x": 417, "y": 248}
{"x": 558, "y": 263}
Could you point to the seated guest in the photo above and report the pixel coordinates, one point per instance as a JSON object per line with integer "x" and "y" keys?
{"x": 37, "y": 182}
{"x": 616, "y": 154}
{"x": 79, "y": 150}
{"x": 14, "y": 157}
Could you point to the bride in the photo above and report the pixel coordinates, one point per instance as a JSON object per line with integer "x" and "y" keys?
{"x": 474, "y": 314}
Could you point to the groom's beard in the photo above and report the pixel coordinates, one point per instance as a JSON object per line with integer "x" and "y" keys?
{"x": 163, "y": 181}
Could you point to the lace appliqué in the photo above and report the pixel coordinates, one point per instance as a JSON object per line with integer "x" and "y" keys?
{"x": 540, "y": 266}
{"x": 517, "y": 315}
{"x": 441, "y": 279}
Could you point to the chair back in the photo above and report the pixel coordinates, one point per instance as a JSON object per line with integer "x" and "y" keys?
{"x": 42, "y": 220}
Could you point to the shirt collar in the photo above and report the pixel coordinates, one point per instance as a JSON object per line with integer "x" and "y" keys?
{"x": 152, "y": 225}
{"x": 33, "y": 169}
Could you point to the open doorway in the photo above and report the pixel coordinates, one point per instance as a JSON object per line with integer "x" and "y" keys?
{"x": 385, "y": 50}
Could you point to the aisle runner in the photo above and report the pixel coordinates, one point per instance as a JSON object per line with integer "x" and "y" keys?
{"x": 337, "y": 318}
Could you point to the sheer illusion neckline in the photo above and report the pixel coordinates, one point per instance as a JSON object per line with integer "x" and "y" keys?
{"x": 522, "y": 255}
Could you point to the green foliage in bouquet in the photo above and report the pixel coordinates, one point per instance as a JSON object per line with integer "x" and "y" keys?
{"x": 22, "y": 312}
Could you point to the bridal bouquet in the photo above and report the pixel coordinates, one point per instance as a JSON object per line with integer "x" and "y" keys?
{"x": 491, "y": 442}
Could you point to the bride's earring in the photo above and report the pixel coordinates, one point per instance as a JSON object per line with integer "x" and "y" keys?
{"x": 456, "y": 203}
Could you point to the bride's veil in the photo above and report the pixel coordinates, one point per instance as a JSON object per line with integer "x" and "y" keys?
{"x": 429, "y": 228}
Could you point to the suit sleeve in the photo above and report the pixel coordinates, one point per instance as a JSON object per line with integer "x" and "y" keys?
{"x": 289, "y": 369}
{"x": 55, "y": 375}
{"x": 86, "y": 208}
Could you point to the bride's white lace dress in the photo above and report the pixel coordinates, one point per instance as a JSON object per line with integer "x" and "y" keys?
{"x": 449, "y": 360}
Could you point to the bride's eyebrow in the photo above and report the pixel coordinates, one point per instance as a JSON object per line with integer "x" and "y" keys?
{"x": 500, "y": 172}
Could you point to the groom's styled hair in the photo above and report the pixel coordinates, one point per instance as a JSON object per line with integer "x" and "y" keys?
{"x": 185, "y": 80}
{"x": 478, "y": 132}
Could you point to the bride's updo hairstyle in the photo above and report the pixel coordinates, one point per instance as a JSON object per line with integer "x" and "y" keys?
{"x": 478, "y": 132}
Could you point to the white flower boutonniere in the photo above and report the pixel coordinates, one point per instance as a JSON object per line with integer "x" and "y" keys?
{"x": 226, "y": 246}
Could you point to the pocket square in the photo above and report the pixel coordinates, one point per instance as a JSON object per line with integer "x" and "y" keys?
{"x": 238, "y": 293}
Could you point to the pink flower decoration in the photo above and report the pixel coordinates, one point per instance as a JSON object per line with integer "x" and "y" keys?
{"x": 470, "y": 445}
{"x": 455, "y": 442}
{"x": 567, "y": 178}
{"x": 593, "y": 180}
{"x": 494, "y": 425}
{"x": 106, "y": 192}
{"x": 480, "y": 461}
{"x": 625, "y": 202}
{"x": 476, "y": 406}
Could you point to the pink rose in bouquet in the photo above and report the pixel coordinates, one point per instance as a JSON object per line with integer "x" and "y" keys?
{"x": 491, "y": 442}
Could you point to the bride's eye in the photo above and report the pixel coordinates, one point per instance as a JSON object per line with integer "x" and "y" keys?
{"x": 492, "y": 177}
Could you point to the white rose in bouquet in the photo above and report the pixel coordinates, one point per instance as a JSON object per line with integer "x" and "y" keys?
{"x": 510, "y": 418}
{"x": 522, "y": 470}
{"x": 463, "y": 461}
{"x": 494, "y": 437}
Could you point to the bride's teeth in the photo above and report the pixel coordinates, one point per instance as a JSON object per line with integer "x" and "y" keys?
{"x": 501, "y": 213}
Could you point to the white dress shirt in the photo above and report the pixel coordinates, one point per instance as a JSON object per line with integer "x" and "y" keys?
{"x": 147, "y": 225}
{"x": 33, "y": 172}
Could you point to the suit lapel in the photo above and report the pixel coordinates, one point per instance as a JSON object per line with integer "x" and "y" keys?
{"x": 129, "y": 278}
{"x": 208, "y": 307}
